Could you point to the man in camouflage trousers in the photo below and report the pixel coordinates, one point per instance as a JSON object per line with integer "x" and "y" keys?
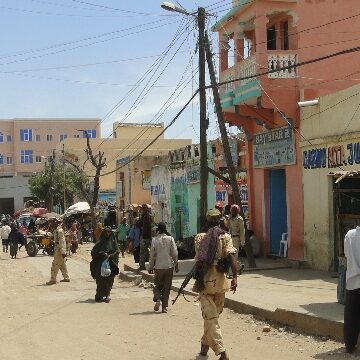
{"x": 59, "y": 262}
{"x": 213, "y": 248}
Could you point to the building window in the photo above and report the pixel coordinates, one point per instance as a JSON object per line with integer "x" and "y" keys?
{"x": 91, "y": 133}
{"x": 271, "y": 38}
{"x": 285, "y": 35}
{"x": 37, "y": 137}
{"x": 1, "y": 159}
{"x": 26, "y": 134}
{"x": 1, "y": 137}
{"x": 8, "y": 138}
{"x": 38, "y": 158}
{"x": 63, "y": 137}
{"x": 26, "y": 156}
{"x": 48, "y": 137}
{"x": 9, "y": 160}
{"x": 76, "y": 136}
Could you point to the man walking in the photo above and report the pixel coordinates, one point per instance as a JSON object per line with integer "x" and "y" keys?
{"x": 214, "y": 255}
{"x": 352, "y": 296}
{"x": 237, "y": 232}
{"x": 5, "y": 231}
{"x": 59, "y": 262}
{"x": 163, "y": 257}
{"x": 145, "y": 239}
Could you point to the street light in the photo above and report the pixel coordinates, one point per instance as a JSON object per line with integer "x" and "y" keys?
{"x": 171, "y": 7}
{"x": 201, "y": 16}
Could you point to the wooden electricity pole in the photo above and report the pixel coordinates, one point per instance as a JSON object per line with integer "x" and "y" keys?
{"x": 226, "y": 147}
{"x": 203, "y": 121}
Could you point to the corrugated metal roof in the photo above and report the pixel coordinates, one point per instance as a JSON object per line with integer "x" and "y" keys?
{"x": 344, "y": 174}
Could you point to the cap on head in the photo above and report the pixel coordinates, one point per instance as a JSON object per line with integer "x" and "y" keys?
{"x": 213, "y": 215}
{"x": 144, "y": 206}
{"x": 107, "y": 228}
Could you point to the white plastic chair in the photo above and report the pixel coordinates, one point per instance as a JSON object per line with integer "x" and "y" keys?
{"x": 284, "y": 241}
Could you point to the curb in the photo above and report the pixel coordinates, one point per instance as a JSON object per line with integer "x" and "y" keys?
{"x": 309, "y": 324}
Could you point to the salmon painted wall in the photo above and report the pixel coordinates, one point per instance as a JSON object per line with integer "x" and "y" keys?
{"x": 326, "y": 39}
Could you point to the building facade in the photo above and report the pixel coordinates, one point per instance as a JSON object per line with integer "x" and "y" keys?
{"x": 175, "y": 190}
{"x": 25, "y": 146}
{"x": 271, "y": 37}
{"x": 331, "y": 175}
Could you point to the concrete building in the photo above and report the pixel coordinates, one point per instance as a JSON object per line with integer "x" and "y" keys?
{"x": 131, "y": 182}
{"x": 263, "y": 36}
{"x": 175, "y": 190}
{"x": 331, "y": 208}
{"x": 25, "y": 145}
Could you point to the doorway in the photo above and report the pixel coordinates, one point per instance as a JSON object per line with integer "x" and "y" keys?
{"x": 278, "y": 208}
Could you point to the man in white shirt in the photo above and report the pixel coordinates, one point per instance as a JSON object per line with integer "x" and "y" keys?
{"x": 163, "y": 257}
{"x": 4, "y": 232}
{"x": 352, "y": 297}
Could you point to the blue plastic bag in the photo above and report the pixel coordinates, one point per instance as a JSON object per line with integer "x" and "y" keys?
{"x": 105, "y": 268}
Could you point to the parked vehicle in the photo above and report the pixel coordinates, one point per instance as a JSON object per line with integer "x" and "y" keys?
{"x": 40, "y": 241}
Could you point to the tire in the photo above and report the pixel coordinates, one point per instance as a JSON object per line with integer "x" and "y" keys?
{"x": 32, "y": 249}
{"x": 50, "y": 249}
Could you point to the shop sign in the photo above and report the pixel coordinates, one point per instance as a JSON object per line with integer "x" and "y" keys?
{"x": 274, "y": 148}
{"x": 332, "y": 156}
{"x": 193, "y": 175}
{"x": 123, "y": 160}
{"x": 220, "y": 196}
{"x": 146, "y": 179}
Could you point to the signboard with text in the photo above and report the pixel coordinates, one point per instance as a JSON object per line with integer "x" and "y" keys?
{"x": 274, "y": 148}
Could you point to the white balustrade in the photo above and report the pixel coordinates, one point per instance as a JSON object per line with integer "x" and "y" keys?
{"x": 247, "y": 68}
{"x": 277, "y": 61}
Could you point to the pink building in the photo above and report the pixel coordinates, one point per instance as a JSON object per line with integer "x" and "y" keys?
{"x": 263, "y": 36}
{"x": 25, "y": 145}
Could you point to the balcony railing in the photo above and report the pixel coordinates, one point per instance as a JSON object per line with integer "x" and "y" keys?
{"x": 249, "y": 67}
{"x": 279, "y": 60}
{"x": 245, "y": 68}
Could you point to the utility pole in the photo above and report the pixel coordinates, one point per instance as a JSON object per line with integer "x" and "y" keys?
{"x": 226, "y": 147}
{"x": 64, "y": 177}
{"x": 52, "y": 171}
{"x": 203, "y": 121}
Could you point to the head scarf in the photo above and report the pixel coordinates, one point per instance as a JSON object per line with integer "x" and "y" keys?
{"x": 209, "y": 244}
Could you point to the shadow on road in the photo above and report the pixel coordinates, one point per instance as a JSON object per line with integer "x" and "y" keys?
{"x": 324, "y": 309}
{"x": 87, "y": 301}
{"x": 337, "y": 354}
{"x": 149, "y": 312}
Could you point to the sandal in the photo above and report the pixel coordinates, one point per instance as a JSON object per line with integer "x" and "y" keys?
{"x": 107, "y": 300}
{"x": 204, "y": 349}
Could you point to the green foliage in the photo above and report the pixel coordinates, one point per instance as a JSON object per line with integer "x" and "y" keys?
{"x": 76, "y": 185}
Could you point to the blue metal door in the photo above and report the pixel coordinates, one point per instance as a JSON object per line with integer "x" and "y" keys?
{"x": 278, "y": 208}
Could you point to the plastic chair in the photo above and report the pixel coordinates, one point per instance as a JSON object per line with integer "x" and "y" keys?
{"x": 284, "y": 241}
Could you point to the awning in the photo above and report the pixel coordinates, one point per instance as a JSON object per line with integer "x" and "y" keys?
{"x": 344, "y": 174}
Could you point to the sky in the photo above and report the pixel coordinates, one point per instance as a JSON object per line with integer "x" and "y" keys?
{"x": 115, "y": 60}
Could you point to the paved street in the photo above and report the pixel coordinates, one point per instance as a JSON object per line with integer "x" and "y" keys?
{"x": 62, "y": 322}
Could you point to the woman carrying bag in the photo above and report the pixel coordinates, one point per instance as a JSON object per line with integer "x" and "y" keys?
{"x": 105, "y": 256}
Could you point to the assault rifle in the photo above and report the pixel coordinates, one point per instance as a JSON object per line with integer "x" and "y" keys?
{"x": 188, "y": 277}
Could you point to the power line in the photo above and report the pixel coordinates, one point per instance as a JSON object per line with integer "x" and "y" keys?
{"x": 110, "y": 33}
{"x": 157, "y": 137}
{"x": 300, "y": 64}
{"x": 155, "y": 66}
{"x": 75, "y": 66}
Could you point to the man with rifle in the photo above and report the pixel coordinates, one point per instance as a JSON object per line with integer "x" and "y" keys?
{"x": 214, "y": 256}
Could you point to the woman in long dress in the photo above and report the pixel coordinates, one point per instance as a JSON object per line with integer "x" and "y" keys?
{"x": 105, "y": 248}
{"x": 15, "y": 238}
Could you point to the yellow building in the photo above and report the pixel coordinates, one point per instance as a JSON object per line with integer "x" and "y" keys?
{"x": 128, "y": 140}
{"x": 330, "y": 150}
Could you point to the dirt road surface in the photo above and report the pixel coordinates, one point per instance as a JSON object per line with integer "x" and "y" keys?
{"x": 62, "y": 322}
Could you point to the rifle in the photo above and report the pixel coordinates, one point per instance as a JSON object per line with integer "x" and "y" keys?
{"x": 188, "y": 277}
